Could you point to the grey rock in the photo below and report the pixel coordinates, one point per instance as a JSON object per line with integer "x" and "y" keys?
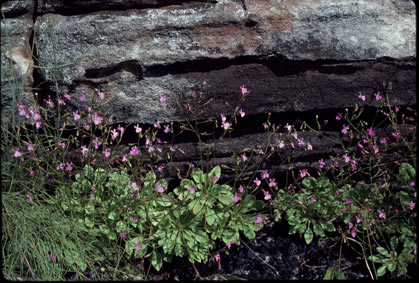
{"x": 16, "y": 64}
{"x": 134, "y": 55}
{"x": 14, "y": 8}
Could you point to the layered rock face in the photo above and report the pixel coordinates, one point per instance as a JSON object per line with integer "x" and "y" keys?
{"x": 294, "y": 56}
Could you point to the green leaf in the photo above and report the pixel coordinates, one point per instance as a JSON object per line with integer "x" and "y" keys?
{"x": 201, "y": 236}
{"x": 156, "y": 260}
{"x": 217, "y": 171}
{"x": 391, "y": 267}
{"x": 383, "y": 251}
{"x": 334, "y": 273}
{"x": 197, "y": 175}
{"x": 308, "y": 235}
{"x": 394, "y": 241}
{"x": 382, "y": 270}
{"x": 112, "y": 215}
{"x": 309, "y": 183}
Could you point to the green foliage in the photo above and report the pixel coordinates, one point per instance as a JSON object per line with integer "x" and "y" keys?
{"x": 184, "y": 222}
{"x": 333, "y": 273}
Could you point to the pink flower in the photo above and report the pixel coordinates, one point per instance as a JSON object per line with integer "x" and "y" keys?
{"x": 288, "y": 127}
{"x": 167, "y": 129}
{"x": 96, "y": 143}
{"x": 217, "y": 257}
{"x": 138, "y": 246}
{"x": 228, "y": 245}
{"x": 101, "y": 94}
{"x": 138, "y": 129}
{"x": 30, "y": 198}
{"x": 242, "y": 113}
{"x": 346, "y": 158}
{"x": 361, "y": 96}
{"x": 124, "y": 158}
{"x": 353, "y": 164}
{"x": 30, "y": 147}
{"x": 244, "y": 90}
{"x": 303, "y": 173}
{"x": 191, "y": 190}
{"x": 312, "y": 200}
{"x": 348, "y": 201}
{"x": 360, "y": 145}
{"x": 106, "y": 153}
{"x": 123, "y": 235}
{"x": 321, "y": 163}
{"x": 272, "y": 182}
{"x": 397, "y": 134}
{"x": 371, "y": 131}
{"x": 241, "y": 189}
{"x": 92, "y": 196}
{"x": 84, "y": 150}
{"x": 257, "y": 181}
{"x": 265, "y": 174}
{"x": 134, "y": 150}
{"x": 17, "y": 152}
{"x": 226, "y": 125}
{"x": 32, "y": 173}
{"x": 300, "y": 142}
{"x": 159, "y": 188}
{"x": 236, "y": 198}
{"x": 336, "y": 164}
{"x": 259, "y": 219}
{"x": 353, "y": 233}
{"x": 339, "y": 116}
{"x": 162, "y": 97}
{"x": 267, "y": 195}
{"x": 115, "y": 134}
{"x": 121, "y": 129}
{"x": 96, "y": 119}
{"x": 412, "y": 205}
{"x": 375, "y": 147}
{"x": 76, "y": 115}
{"x": 350, "y": 225}
{"x": 68, "y": 166}
{"x": 134, "y": 185}
{"x": 345, "y": 129}
{"x": 383, "y": 141}
{"x": 60, "y": 166}
{"x": 67, "y": 96}
{"x": 82, "y": 97}
{"x": 157, "y": 125}
{"x": 281, "y": 144}
{"x": 52, "y": 256}
{"x": 382, "y": 214}
{"x": 358, "y": 219}
{"x": 377, "y": 96}
{"x": 244, "y": 157}
{"x": 60, "y": 101}
{"x": 86, "y": 126}
{"x": 309, "y": 146}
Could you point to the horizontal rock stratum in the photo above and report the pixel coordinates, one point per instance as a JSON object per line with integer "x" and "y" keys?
{"x": 293, "y": 55}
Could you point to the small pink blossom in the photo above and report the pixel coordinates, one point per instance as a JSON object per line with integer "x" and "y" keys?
{"x": 382, "y": 214}
{"x": 412, "y": 205}
{"x": 101, "y": 94}
{"x": 96, "y": 142}
{"x": 244, "y": 90}
{"x": 60, "y": 166}
{"x": 345, "y": 129}
{"x": 312, "y": 200}
{"x": 92, "y": 196}
{"x": 76, "y": 115}
{"x": 227, "y": 125}
{"x": 339, "y": 116}
{"x": 348, "y": 201}
{"x": 62, "y": 144}
{"x": 354, "y": 164}
{"x": 265, "y": 174}
{"x": 236, "y": 198}
{"x": 241, "y": 189}
{"x": 84, "y": 150}
{"x": 358, "y": 219}
{"x": 360, "y": 145}
{"x": 281, "y": 144}
{"x": 123, "y": 235}
{"x": 96, "y": 119}
{"x": 228, "y": 245}
{"x": 30, "y": 147}
{"x": 397, "y": 134}
{"x": 288, "y": 127}
{"x": 167, "y": 129}
{"x": 138, "y": 246}
{"x": 32, "y": 173}
{"x": 68, "y": 167}
{"x": 124, "y": 158}
{"x": 82, "y": 97}
{"x": 30, "y": 198}
{"x": 159, "y": 188}
{"x": 138, "y": 129}
{"x": 52, "y": 256}
{"x": 257, "y": 181}
{"x": 378, "y": 96}
{"x": 303, "y": 173}
{"x": 106, "y": 153}
{"x": 217, "y": 257}
{"x": 242, "y": 113}
{"x": 267, "y": 195}
{"x": 67, "y": 96}
{"x": 86, "y": 126}
{"x": 321, "y": 163}
{"x": 265, "y": 125}
{"x": 336, "y": 164}
{"x": 134, "y": 150}
{"x": 134, "y": 185}
{"x": 157, "y": 125}
{"x": 309, "y": 146}
{"x": 121, "y": 129}
{"x": 272, "y": 182}
{"x": 371, "y": 131}
{"x": 361, "y": 96}
{"x": 115, "y": 134}
{"x": 259, "y": 219}
{"x": 244, "y": 157}
{"x": 383, "y": 141}
{"x": 346, "y": 158}
{"x": 353, "y": 234}
{"x": 376, "y": 149}
{"x": 191, "y": 190}
{"x": 350, "y": 225}
{"x": 162, "y": 97}
{"x": 60, "y": 101}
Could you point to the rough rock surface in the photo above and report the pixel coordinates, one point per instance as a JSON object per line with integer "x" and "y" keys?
{"x": 17, "y": 8}
{"x": 293, "y": 55}
{"x": 16, "y": 62}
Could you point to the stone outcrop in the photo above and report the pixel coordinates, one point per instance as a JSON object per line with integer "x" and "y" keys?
{"x": 293, "y": 55}
{"x": 16, "y": 63}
